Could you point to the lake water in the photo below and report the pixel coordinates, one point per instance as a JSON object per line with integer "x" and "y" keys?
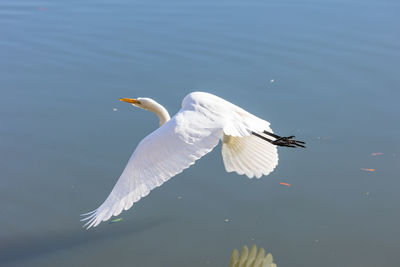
{"x": 326, "y": 71}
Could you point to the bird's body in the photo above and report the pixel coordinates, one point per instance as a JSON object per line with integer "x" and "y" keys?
{"x": 195, "y": 130}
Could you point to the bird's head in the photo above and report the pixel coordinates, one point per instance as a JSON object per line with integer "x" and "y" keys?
{"x": 141, "y": 102}
{"x": 151, "y": 105}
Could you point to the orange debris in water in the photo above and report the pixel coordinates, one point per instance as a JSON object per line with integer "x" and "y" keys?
{"x": 368, "y": 170}
{"x": 286, "y": 184}
{"x": 376, "y": 154}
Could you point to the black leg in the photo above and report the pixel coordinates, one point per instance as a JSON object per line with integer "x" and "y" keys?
{"x": 271, "y": 134}
{"x": 263, "y": 137}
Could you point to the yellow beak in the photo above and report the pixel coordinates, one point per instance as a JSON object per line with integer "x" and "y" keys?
{"x": 130, "y": 100}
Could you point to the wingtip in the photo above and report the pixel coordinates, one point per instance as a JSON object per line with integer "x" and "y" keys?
{"x": 89, "y": 224}
{"x": 91, "y": 219}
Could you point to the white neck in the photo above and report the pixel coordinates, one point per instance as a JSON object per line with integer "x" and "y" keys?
{"x": 161, "y": 112}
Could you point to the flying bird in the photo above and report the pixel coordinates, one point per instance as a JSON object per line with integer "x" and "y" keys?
{"x": 248, "y": 147}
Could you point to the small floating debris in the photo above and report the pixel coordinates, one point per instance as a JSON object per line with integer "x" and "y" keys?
{"x": 377, "y": 154}
{"x": 367, "y": 193}
{"x": 179, "y": 197}
{"x": 324, "y": 137}
{"x": 227, "y": 220}
{"x": 367, "y": 170}
{"x": 272, "y": 81}
{"x": 116, "y": 220}
{"x": 115, "y": 109}
{"x": 285, "y": 184}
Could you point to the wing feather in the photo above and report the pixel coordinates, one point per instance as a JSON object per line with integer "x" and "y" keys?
{"x": 249, "y": 155}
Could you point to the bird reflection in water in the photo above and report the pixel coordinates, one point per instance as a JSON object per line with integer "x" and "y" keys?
{"x": 251, "y": 258}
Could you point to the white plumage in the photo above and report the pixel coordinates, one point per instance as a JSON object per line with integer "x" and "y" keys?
{"x": 195, "y": 130}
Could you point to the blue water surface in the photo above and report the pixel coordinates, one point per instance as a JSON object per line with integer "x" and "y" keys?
{"x": 326, "y": 71}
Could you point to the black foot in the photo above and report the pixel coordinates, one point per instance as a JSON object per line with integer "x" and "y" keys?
{"x": 281, "y": 141}
{"x": 288, "y": 142}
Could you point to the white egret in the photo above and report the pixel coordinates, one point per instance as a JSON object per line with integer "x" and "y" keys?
{"x": 248, "y": 147}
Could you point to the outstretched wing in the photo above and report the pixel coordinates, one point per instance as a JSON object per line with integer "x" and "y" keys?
{"x": 246, "y": 153}
{"x": 249, "y": 155}
{"x": 242, "y": 151}
{"x": 159, "y": 156}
